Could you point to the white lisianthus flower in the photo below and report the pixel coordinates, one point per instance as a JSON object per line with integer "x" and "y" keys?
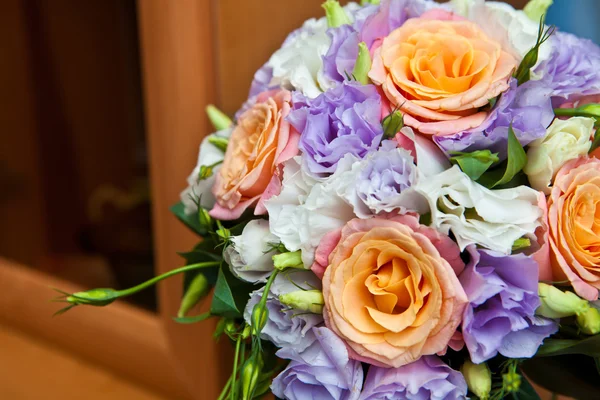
{"x": 493, "y": 219}
{"x": 250, "y": 254}
{"x": 428, "y": 157}
{"x": 305, "y": 211}
{"x": 298, "y": 64}
{"x": 512, "y": 28}
{"x": 201, "y": 189}
{"x": 565, "y": 140}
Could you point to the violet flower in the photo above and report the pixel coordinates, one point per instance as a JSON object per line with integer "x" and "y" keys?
{"x": 323, "y": 371}
{"x": 427, "y": 378}
{"x": 343, "y": 120}
{"x": 503, "y": 296}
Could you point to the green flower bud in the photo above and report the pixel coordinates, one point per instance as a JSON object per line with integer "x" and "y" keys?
{"x": 363, "y": 64}
{"x": 250, "y": 374}
{"x": 291, "y": 259}
{"x": 589, "y": 321}
{"x": 365, "y": 2}
{"x": 260, "y": 316}
{"x": 558, "y": 304}
{"x": 246, "y": 332}
{"x": 230, "y": 328}
{"x": 536, "y": 9}
{"x": 336, "y": 16}
{"x": 392, "y": 124}
{"x": 94, "y": 297}
{"x": 511, "y": 382}
{"x": 223, "y": 232}
{"x": 479, "y": 379}
{"x": 217, "y": 118}
{"x": 206, "y": 171}
{"x": 304, "y": 300}
{"x": 219, "y": 142}
{"x": 204, "y": 219}
{"x": 196, "y": 291}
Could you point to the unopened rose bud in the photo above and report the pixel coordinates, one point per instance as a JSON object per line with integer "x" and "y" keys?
{"x": 219, "y": 142}
{"x": 94, "y": 297}
{"x": 479, "y": 379}
{"x": 554, "y": 303}
{"x": 589, "y": 321}
{"x": 217, "y": 118}
{"x": 336, "y": 16}
{"x": 362, "y": 65}
{"x": 250, "y": 373}
{"x": 260, "y": 316}
{"x": 304, "y": 300}
{"x": 291, "y": 259}
{"x": 196, "y": 291}
{"x": 535, "y": 9}
{"x": 392, "y": 124}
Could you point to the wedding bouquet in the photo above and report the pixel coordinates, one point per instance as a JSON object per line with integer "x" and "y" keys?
{"x": 406, "y": 207}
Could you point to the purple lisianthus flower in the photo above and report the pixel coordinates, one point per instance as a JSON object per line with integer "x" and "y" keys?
{"x": 527, "y": 107}
{"x": 503, "y": 296}
{"x": 571, "y": 70}
{"x": 339, "y": 61}
{"x": 260, "y": 83}
{"x": 287, "y": 328}
{"x": 343, "y": 120}
{"x": 323, "y": 371}
{"x": 393, "y": 14}
{"x": 427, "y": 378}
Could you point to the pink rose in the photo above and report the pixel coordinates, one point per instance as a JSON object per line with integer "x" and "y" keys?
{"x": 259, "y": 143}
{"x": 389, "y": 291}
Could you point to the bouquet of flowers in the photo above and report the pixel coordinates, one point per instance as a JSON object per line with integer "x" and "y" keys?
{"x": 406, "y": 207}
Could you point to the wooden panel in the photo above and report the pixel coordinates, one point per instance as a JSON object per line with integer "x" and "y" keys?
{"x": 178, "y": 71}
{"x": 123, "y": 338}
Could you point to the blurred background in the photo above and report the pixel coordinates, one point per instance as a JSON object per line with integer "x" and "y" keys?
{"x": 102, "y": 114}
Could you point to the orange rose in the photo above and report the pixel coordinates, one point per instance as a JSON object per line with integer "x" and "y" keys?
{"x": 439, "y": 73}
{"x": 261, "y": 141}
{"x": 389, "y": 293}
{"x": 574, "y": 220}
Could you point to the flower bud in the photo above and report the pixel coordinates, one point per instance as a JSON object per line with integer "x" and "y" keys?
{"x": 536, "y": 9}
{"x": 589, "y": 321}
{"x": 230, "y": 329}
{"x": 291, "y": 259}
{"x": 219, "y": 142}
{"x": 260, "y": 316}
{"x": 206, "y": 171}
{"x": 246, "y": 332}
{"x": 217, "y": 118}
{"x": 554, "y": 303}
{"x": 196, "y": 291}
{"x": 204, "y": 219}
{"x": 362, "y": 65}
{"x": 365, "y": 2}
{"x": 250, "y": 373}
{"x": 479, "y": 379}
{"x": 304, "y": 300}
{"x": 93, "y": 297}
{"x": 336, "y": 16}
{"x": 392, "y": 124}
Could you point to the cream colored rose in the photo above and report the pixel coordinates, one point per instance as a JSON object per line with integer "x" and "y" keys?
{"x": 565, "y": 140}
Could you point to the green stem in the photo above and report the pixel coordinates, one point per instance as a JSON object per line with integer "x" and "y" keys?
{"x": 263, "y": 299}
{"x": 238, "y": 344}
{"x": 225, "y": 389}
{"x": 573, "y": 112}
{"x": 156, "y": 279}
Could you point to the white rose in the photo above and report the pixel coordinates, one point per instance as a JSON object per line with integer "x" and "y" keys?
{"x": 493, "y": 219}
{"x": 201, "y": 189}
{"x": 250, "y": 254}
{"x": 512, "y": 28}
{"x": 565, "y": 140}
{"x": 305, "y": 211}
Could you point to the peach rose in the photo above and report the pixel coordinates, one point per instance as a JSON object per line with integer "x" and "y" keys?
{"x": 388, "y": 291}
{"x": 440, "y": 72}
{"x": 574, "y": 222}
{"x": 261, "y": 141}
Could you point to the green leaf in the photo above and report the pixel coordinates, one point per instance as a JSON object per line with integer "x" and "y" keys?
{"x": 521, "y": 243}
{"x": 230, "y": 295}
{"x": 190, "y": 220}
{"x": 476, "y": 163}
{"x": 192, "y": 320}
{"x": 516, "y": 161}
{"x": 526, "y": 391}
{"x": 554, "y": 347}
